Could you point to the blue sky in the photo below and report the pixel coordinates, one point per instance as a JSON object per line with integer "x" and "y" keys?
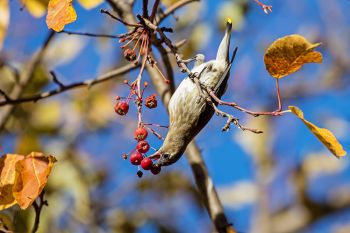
{"x": 250, "y": 85}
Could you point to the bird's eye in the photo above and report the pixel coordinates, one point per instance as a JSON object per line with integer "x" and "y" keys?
{"x": 166, "y": 156}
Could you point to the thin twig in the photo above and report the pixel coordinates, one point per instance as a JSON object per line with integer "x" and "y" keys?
{"x": 104, "y": 11}
{"x": 177, "y": 5}
{"x": 7, "y": 98}
{"x": 38, "y": 207}
{"x": 62, "y": 88}
{"x": 154, "y": 10}
{"x": 55, "y": 80}
{"x": 25, "y": 77}
{"x": 266, "y": 8}
{"x": 94, "y": 34}
{"x": 145, "y": 8}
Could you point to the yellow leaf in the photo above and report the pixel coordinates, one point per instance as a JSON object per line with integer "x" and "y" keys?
{"x": 4, "y": 20}
{"x": 60, "y": 13}
{"x": 33, "y": 172}
{"x": 89, "y": 4}
{"x": 7, "y": 179}
{"x": 36, "y": 8}
{"x": 288, "y": 54}
{"x": 324, "y": 135}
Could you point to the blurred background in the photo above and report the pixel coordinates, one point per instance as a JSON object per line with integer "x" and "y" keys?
{"x": 281, "y": 181}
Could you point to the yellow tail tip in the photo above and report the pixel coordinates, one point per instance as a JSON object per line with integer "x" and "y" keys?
{"x": 229, "y": 20}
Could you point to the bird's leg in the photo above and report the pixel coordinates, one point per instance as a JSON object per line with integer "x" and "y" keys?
{"x": 233, "y": 120}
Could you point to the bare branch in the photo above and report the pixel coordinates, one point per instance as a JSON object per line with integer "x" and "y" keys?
{"x": 62, "y": 88}
{"x": 104, "y": 11}
{"x": 38, "y": 207}
{"x": 93, "y": 34}
{"x": 177, "y": 5}
{"x": 7, "y": 98}
{"x": 25, "y": 77}
{"x": 55, "y": 80}
{"x": 145, "y": 8}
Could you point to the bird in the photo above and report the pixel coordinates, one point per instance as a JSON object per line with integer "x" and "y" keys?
{"x": 188, "y": 111}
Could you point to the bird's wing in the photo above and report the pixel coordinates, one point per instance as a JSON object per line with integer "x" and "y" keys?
{"x": 221, "y": 85}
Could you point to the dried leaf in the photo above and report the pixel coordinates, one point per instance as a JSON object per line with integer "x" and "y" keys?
{"x": 288, "y": 54}
{"x": 324, "y": 135}
{"x": 60, "y": 13}
{"x": 33, "y": 172}
{"x": 89, "y": 4}
{"x": 7, "y": 179}
{"x": 4, "y": 20}
{"x": 36, "y": 8}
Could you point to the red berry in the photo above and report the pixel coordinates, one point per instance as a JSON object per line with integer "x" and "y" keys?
{"x": 146, "y": 163}
{"x": 151, "y": 101}
{"x": 121, "y": 108}
{"x": 155, "y": 169}
{"x": 142, "y": 146}
{"x": 136, "y": 158}
{"x": 140, "y": 134}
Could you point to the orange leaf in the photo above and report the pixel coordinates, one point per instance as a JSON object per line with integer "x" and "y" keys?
{"x": 324, "y": 135}
{"x": 33, "y": 172}
{"x": 60, "y": 13}
{"x": 7, "y": 179}
{"x": 288, "y": 54}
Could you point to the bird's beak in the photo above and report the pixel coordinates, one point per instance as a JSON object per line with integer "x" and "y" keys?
{"x": 228, "y": 26}
{"x": 154, "y": 156}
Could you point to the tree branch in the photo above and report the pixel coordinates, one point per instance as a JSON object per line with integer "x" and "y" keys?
{"x": 25, "y": 77}
{"x": 177, "y": 5}
{"x": 62, "y": 88}
{"x": 38, "y": 207}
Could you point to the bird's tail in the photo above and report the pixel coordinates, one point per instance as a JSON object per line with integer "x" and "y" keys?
{"x": 224, "y": 48}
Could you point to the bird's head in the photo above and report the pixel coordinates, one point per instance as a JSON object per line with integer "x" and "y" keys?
{"x": 166, "y": 158}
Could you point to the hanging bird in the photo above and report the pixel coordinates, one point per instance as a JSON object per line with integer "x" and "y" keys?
{"x": 188, "y": 111}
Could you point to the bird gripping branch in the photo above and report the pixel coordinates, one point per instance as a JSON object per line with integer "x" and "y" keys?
{"x": 188, "y": 111}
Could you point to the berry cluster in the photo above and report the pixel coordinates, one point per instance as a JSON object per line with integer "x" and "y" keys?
{"x": 140, "y": 38}
{"x": 138, "y": 155}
